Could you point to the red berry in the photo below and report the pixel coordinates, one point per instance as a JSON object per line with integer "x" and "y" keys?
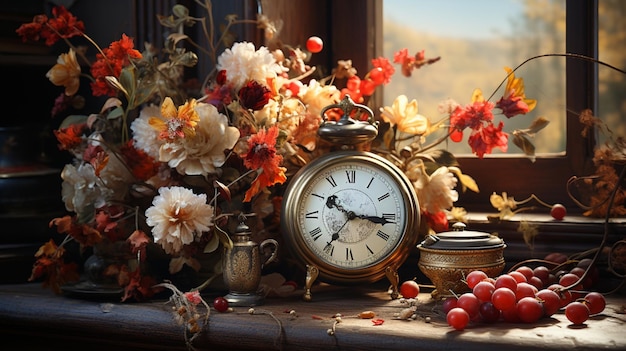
{"x": 556, "y": 257}
{"x": 367, "y": 87}
{"x": 503, "y": 299}
{"x": 519, "y": 277}
{"x": 377, "y": 75}
{"x": 489, "y": 313}
{"x": 529, "y": 309}
{"x": 409, "y": 289}
{"x": 220, "y": 304}
{"x": 506, "y": 281}
{"x": 543, "y": 273}
{"x": 558, "y": 211}
{"x": 457, "y": 318}
{"x": 314, "y": 44}
{"x": 474, "y": 277}
{"x": 470, "y": 303}
{"x": 550, "y": 300}
{"x": 526, "y": 271}
{"x": 577, "y": 312}
{"x": 565, "y": 295}
{"x": 483, "y": 290}
{"x": 595, "y": 302}
{"x": 525, "y": 290}
{"x": 448, "y": 304}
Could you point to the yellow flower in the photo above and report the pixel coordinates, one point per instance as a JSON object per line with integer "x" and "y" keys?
{"x": 404, "y": 114}
{"x": 66, "y": 73}
{"x": 179, "y": 123}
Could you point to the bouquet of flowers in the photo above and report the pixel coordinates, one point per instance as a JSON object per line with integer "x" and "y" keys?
{"x": 161, "y": 168}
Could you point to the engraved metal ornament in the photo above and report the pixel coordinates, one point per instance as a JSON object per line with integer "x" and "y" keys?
{"x": 446, "y": 260}
{"x": 242, "y": 265}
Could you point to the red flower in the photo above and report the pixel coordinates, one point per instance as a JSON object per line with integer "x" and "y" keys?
{"x": 512, "y": 106}
{"x": 254, "y": 96}
{"x": 262, "y": 155}
{"x": 483, "y": 140}
{"x": 436, "y": 221}
{"x": 141, "y": 164}
{"x": 116, "y": 56}
{"x": 471, "y": 116}
{"x": 62, "y": 25}
{"x": 70, "y": 137}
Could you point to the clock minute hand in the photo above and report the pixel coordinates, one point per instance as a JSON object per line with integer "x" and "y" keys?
{"x": 375, "y": 219}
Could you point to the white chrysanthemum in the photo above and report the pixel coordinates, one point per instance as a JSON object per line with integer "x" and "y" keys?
{"x": 243, "y": 63}
{"x": 82, "y": 189}
{"x": 178, "y": 217}
{"x": 267, "y": 115}
{"x": 146, "y": 137}
{"x": 436, "y": 193}
{"x": 202, "y": 153}
{"x": 316, "y": 96}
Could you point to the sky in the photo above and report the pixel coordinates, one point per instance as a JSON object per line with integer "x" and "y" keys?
{"x": 445, "y": 16}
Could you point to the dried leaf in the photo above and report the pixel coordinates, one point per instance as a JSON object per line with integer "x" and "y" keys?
{"x": 367, "y": 314}
{"x": 467, "y": 182}
{"x": 529, "y": 231}
{"x": 213, "y": 244}
{"x": 538, "y": 124}
{"x": 223, "y": 190}
{"x": 525, "y": 145}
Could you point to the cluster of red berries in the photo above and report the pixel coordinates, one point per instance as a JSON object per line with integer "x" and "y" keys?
{"x": 525, "y": 295}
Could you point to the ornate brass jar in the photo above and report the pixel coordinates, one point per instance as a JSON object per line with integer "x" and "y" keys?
{"x": 446, "y": 258}
{"x": 242, "y": 265}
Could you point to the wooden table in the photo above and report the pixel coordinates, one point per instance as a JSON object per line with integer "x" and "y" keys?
{"x": 31, "y": 316}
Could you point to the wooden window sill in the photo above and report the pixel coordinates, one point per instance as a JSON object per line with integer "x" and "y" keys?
{"x": 30, "y": 315}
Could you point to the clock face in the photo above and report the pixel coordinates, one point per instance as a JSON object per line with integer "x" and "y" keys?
{"x": 350, "y": 214}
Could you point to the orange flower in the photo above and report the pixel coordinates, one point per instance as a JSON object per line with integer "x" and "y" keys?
{"x": 180, "y": 123}
{"x": 66, "y": 73}
{"x": 50, "y": 264}
{"x": 262, "y": 155}
{"x": 70, "y": 137}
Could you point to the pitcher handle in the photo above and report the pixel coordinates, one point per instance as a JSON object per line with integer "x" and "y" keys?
{"x": 274, "y": 254}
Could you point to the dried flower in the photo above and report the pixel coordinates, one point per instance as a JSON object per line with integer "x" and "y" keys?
{"x": 178, "y": 217}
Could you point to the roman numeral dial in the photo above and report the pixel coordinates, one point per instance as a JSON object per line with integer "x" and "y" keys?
{"x": 354, "y": 215}
{"x": 350, "y": 214}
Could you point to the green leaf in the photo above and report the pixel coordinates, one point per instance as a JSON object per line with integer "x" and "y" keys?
{"x": 180, "y": 11}
{"x": 115, "y": 113}
{"x": 128, "y": 80}
{"x": 144, "y": 93}
{"x": 73, "y": 119}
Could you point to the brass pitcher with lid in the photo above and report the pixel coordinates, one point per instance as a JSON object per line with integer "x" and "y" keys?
{"x": 242, "y": 265}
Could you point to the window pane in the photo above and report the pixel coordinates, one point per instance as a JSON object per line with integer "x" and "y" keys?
{"x": 476, "y": 40}
{"x": 611, "y": 83}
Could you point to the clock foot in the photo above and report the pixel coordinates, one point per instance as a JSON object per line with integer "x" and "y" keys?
{"x": 392, "y": 275}
{"x": 311, "y": 275}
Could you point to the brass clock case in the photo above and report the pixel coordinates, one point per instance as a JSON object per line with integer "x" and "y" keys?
{"x": 292, "y": 218}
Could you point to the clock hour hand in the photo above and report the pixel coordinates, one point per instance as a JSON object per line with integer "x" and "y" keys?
{"x": 332, "y": 202}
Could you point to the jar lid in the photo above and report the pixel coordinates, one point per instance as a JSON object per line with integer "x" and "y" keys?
{"x": 460, "y": 239}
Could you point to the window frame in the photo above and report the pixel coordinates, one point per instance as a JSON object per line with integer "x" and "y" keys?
{"x": 516, "y": 175}
{"x": 352, "y": 29}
